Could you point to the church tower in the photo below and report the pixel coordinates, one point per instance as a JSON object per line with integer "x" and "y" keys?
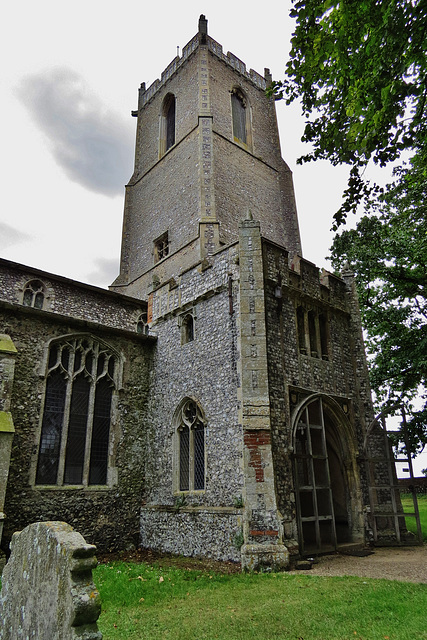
{"x": 207, "y": 153}
{"x": 220, "y": 407}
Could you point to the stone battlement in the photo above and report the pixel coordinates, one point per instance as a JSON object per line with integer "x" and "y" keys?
{"x": 304, "y": 276}
{"x": 216, "y": 49}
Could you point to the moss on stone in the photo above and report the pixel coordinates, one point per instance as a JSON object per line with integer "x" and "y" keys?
{"x": 6, "y": 344}
{"x": 6, "y": 422}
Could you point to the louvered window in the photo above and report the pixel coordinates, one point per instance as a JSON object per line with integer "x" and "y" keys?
{"x": 240, "y": 117}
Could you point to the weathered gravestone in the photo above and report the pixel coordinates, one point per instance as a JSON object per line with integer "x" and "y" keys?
{"x": 47, "y": 588}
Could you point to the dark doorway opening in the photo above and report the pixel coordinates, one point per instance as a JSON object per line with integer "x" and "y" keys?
{"x": 321, "y": 490}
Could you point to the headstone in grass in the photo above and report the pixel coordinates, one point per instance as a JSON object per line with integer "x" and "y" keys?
{"x": 47, "y": 588}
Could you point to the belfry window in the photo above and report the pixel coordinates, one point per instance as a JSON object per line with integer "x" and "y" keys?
{"x": 191, "y": 447}
{"x": 240, "y": 117}
{"x": 34, "y": 294}
{"x": 168, "y": 123}
{"x": 75, "y": 433}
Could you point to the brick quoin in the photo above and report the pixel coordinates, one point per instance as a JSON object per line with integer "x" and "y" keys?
{"x": 257, "y": 438}
{"x": 259, "y": 475}
{"x": 253, "y": 441}
{"x": 267, "y": 532}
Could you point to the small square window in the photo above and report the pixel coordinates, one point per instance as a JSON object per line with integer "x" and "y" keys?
{"x": 161, "y": 247}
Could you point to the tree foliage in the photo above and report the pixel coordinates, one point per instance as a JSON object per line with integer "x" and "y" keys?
{"x": 359, "y": 68}
{"x": 388, "y": 253}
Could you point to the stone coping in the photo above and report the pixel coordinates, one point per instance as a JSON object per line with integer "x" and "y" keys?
{"x": 6, "y": 344}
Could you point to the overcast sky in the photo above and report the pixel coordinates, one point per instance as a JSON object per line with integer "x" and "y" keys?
{"x": 70, "y": 79}
{"x": 71, "y": 73}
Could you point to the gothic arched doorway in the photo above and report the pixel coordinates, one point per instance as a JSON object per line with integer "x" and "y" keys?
{"x": 326, "y": 484}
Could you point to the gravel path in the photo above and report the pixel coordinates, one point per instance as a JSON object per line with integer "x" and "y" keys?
{"x": 408, "y": 564}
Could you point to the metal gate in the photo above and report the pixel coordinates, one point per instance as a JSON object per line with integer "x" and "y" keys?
{"x": 315, "y": 511}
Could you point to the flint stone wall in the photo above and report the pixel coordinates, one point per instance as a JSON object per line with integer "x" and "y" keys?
{"x": 48, "y": 592}
{"x": 197, "y": 532}
{"x": 108, "y": 516}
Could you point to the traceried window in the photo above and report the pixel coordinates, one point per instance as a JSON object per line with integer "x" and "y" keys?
{"x": 142, "y": 324}
{"x": 34, "y": 294}
{"x": 167, "y": 124}
{"x": 75, "y": 434}
{"x": 191, "y": 447}
{"x": 240, "y": 115}
{"x": 161, "y": 247}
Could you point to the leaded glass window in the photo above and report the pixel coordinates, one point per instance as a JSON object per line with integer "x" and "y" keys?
{"x": 191, "y": 457}
{"x": 75, "y": 432}
{"x": 142, "y": 324}
{"x": 33, "y": 294}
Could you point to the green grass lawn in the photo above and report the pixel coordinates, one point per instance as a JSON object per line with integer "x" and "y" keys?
{"x": 408, "y": 506}
{"x": 143, "y": 601}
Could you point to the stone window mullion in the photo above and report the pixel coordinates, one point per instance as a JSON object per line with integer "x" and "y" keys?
{"x": 89, "y": 426}
{"x": 191, "y": 465}
{"x": 64, "y": 438}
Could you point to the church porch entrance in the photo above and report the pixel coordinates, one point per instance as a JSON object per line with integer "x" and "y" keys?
{"x": 326, "y": 487}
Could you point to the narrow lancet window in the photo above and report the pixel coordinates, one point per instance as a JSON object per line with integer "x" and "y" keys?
{"x": 191, "y": 443}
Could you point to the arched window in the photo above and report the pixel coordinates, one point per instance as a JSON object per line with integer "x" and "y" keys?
{"x": 75, "y": 434}
{"x": 187, "y": 329}
{"x": 34, "y": 294}
{"x": 167, "y": 127}
{"x": 240, "y": 115}
{"x": 191, "y": 447}
{"x": 142, "y": 325}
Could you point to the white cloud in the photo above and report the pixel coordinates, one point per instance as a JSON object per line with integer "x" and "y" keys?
{"x": 91, "y": 144}
{"x": 11, "y": 236}
{"x": 107, "y": 271}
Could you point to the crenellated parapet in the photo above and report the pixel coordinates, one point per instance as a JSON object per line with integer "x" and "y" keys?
{"x": 304, "y": 278}
{"x": 145, "y": 95}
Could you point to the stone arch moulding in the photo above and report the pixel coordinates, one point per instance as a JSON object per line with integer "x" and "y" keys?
{"x": 89, "y": 336}
{"x": 326, "y": 476}
{"x": 189, "y": 446}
